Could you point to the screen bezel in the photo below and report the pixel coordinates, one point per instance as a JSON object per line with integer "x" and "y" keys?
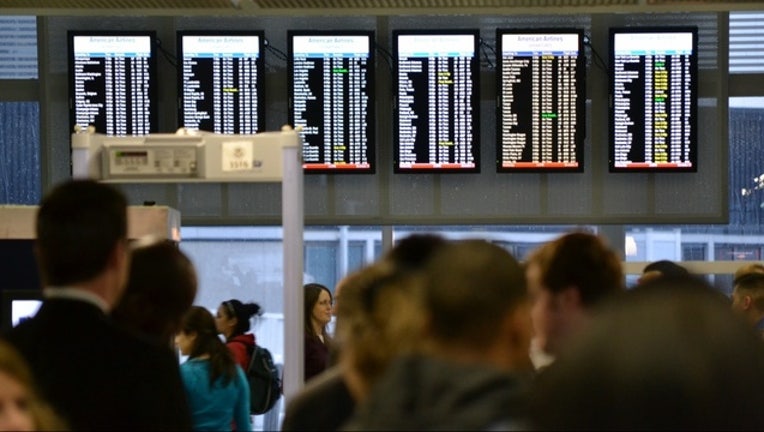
{"x": 371, "y": 147}
{"x": 153, "y": 81}
{"x": 580, "y": 133}
{"x": 693, "y": 97}
{"x": 259, "y": 64}
{"x": 475, "y": 102}
{"x": 8, "y": 296}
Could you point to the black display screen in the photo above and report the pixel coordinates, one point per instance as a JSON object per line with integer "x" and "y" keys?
{"x": 331, "y": 99}
{"x": 541, "y": 103}
{"x": 112, "y": 83}
{"x": 437, "y": 101}
{"x": 221, "y": 81}
{"x": 653, "y": 99}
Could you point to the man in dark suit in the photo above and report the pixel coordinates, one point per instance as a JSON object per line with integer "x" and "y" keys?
{"x": 97, "y": 376}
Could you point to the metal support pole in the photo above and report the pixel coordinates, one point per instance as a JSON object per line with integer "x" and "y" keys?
{"x": 292, "y": 220}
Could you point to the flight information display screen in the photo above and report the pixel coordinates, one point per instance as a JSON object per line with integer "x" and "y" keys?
{"x": 542, "y": 96}
{"x": 331, "y": 98}
{"x": 653, "y": 99}
{"x": 437, "y": 101}
{"x": 112, "y": 82}
{"x": 221, "y": 81}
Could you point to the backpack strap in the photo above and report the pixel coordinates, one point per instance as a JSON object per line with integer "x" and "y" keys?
{"x": 250, "y": 350}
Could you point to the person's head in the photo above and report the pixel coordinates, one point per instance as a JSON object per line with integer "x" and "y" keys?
{"x": 21, "y": 408}
{"x": 566, "y": 278}
{"x": 198, "y": 337}
{"x": 748, "y": 296}
{"x": 662, "y": 268}
{"x": 476, "y": 302}
{"x": 412, "y": 252}
{"x": 378, "y": 319}
{"x": 667, "y": 356}
{"x": 318, "y": 309}
{"x": 160, "y": 289}
{"x": 747, "y": 269}
{"x": 82, "y": 236}
{"x": 233, "y": 317}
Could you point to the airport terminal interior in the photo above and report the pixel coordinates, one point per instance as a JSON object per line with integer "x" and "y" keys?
{"x": 702, "y": 206}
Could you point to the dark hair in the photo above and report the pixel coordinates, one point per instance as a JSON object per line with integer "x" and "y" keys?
{"x": 582, "y": 260}
{"x": 78, "y": 226}
{"x": 471, "y": 285}
{"x": 752, "y": 283}
{"x": 666, "y": 356}
{"x": 160, "y": 289}
{"x": 200, "y": 321}
{"x": 312, "y": 291}
{"x": 243, "y": 312}
{"x": 412, "y": 252}
{"x": 407, "y": 258}
{"x": 666, "y": 268}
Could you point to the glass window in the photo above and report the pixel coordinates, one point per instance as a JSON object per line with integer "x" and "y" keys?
{"x": 18, "y": 47}
{"x": 746, "y": 42}
{"x": 321, "y": 263}
{"x": 356, "y": 255}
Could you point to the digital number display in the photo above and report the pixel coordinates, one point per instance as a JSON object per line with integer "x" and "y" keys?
{"x": 541, "y": 106}
{"x": 437, "y": 109}
{"x": 112, "y": 85}
{"x": 653, "y": 87}
{"x": 331, "y": 97}
{"x": 221, "y": 81}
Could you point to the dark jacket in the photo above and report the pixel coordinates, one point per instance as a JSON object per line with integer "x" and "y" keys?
{"x": 423, "y": 393}
{"x": 98, "y": 376}
{"x": 324, "y": 404}
{"x": 316, "y": 356}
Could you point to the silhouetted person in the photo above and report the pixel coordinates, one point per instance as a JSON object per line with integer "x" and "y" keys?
{"x": 667, "y": 356}
{"x": 377, "y": 319}
{"x": 471, "y": 367}
{"x": 160, "y": 289}
{"x": 95, "y": 374}
{"x": 567, "y": 277}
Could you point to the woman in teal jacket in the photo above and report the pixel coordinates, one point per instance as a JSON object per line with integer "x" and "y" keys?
{"x": 217, "y": 389}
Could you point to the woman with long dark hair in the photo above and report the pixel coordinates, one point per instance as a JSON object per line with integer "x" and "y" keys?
{"x": 232, "y": 320}
{"x": 217, "y": 390}
{"x": 318, "y": 313}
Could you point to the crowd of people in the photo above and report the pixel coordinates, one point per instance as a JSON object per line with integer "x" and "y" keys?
{"x": 436, "y": 334}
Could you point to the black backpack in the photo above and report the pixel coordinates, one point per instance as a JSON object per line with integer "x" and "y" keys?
{"x": 264, "y": 381}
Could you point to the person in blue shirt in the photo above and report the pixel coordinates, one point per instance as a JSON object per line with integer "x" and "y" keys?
{"x": 217, "y": 389}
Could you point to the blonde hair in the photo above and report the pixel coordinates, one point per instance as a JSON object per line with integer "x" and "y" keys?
{"x": 379, "y": 318}
{"x": 14, "y": 366}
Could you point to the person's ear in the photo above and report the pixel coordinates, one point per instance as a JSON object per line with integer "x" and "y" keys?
{"x": 747, "y": 301}
{"x": 120, "y": 255}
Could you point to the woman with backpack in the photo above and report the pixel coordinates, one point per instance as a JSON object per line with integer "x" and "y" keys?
{"x": 232, "y": 321}
{"x": 217, "y": 390}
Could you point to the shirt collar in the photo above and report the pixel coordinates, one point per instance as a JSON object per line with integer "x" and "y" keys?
{"x": 73, "y": 293}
